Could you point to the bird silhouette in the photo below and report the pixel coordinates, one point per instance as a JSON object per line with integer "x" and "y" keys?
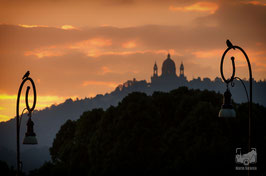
{"x": 26, "y": 75}
{"x": 229, "y": 44}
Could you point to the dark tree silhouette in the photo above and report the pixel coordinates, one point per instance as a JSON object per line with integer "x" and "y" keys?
{"x": 162, "y": 134}
{"x": 6, "y": 170}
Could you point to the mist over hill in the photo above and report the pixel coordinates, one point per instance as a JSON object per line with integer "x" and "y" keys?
{"x": 49, "y": 120}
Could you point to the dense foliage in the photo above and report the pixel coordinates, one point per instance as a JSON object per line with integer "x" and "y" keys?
{"x": 162, "y": 134}
{"x": 6, "y": 170}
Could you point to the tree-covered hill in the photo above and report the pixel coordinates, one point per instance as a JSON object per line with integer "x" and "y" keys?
{"x": 162, "y": 134}
{"x": 49, "y": 120}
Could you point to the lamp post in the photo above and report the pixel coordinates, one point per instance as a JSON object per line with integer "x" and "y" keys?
{"x": 227, "y": 109}
{"x": 30, "y": 136}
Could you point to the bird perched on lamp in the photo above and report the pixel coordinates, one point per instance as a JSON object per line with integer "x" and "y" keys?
{"x": 229, "y": 44}
{"x": 27, "y": 74}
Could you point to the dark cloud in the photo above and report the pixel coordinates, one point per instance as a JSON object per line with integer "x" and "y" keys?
{"x": 243, "y": 22}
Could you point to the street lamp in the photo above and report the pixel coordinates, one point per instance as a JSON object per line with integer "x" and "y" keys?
{"x": 30, "y": 136}
{"x": 227, "y": 109}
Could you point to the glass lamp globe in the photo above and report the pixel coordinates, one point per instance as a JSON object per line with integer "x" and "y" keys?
{"x": 30, "y": 136}
{"x": 227, "y": 110}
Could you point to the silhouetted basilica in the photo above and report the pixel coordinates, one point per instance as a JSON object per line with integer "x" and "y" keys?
{"x": 168, "y": 79}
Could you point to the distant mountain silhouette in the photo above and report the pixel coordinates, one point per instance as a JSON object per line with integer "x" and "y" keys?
{"x": 49, "y": 120}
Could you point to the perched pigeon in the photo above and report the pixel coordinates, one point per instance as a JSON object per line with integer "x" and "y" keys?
{"x": 229, "y": 44}
{"x": 26, "y": 75}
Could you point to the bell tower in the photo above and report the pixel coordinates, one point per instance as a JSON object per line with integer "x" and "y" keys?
{"x": 182, "y": 70}
{"x": 155, "y": 70}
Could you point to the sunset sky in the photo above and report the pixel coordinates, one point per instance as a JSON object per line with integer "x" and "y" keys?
{"x": 79, "y": 48}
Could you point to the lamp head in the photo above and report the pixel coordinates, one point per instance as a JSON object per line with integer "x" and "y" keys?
{"x": 30, "y": 136}
{"x": 227, "y": 110}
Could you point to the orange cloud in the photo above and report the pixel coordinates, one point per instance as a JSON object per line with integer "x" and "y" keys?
{"x": 100, "y": 42}
{"x": 43, "y": 53}
{"x": 92, "y": 46}
{"x": 129, "y": 44}
{"x": 68, "y": 27}
{"x": 208, "y": 54}
{"x": 100, "y": 83}
{"x": 255, "y": 3}
{"x": 210, "y": 7}
{"x": 46, "y": 52}
{"x": 95, "y": 42}
{"x": 65, "y": 27}
{"x": 31, "y": 26}
{"x": 98, "y": 53}
{"x": 214, "y": 56}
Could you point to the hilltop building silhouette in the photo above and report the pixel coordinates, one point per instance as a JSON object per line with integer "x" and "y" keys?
{"x": 168, "y": 80}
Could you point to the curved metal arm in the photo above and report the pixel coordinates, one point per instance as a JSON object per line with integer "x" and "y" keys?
{"x": 232, "y": 84}
{"x": 27, "y": 93}
{"x": 21, "y": 116}
{"x": 18, "y": 119}
{"x": 34, "y": 100}
{"x": 227, "y": 81}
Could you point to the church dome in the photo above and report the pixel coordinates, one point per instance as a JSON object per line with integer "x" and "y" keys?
{"x": 168, "y": 67}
